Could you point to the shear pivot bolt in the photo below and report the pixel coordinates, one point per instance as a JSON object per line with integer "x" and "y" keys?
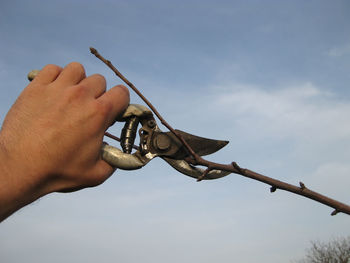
{"x": 151, "y": 123}
{"x": 162, "y": 142}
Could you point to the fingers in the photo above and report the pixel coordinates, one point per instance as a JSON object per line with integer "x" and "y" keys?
{"x": 95, "y": 84}
{"x": 72, "y": 74}
{"x": 102, "y": 172}
{"x": 114, "y": 101}
{"x": 48, "y": 74}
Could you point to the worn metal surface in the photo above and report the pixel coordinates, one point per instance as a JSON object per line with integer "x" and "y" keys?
{"x": 155, "y": 143}
{"x": 201, "y": 146}
{"x": 128, "y": 134}
{"x": 31, "y": 75}
{"x": 119, "y": 159}
{"x": 184, "y": 167}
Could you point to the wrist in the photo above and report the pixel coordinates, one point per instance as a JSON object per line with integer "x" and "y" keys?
{"x": 20, "y": 185}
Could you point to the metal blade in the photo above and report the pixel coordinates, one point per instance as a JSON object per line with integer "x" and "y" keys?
{"x": 201, "y": 146}
{"x": 192, "y": 171}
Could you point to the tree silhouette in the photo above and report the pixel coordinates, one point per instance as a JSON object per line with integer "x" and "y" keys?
{"x": 334, "y": 251}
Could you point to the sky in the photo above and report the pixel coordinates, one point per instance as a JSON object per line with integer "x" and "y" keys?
{"x": 272, "y": 77}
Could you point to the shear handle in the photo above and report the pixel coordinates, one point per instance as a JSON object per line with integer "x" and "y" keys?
{"x": 125, "y": 160}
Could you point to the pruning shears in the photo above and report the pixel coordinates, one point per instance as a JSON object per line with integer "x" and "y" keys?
{"x": 155, "y": 143}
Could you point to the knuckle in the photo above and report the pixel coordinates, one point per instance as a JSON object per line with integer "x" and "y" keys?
{"x": 101, "y": 81}
{"x": 99, "y": 76}
{"x": 76, "y": 67}
{"x": 52, "y": 68}
{"x": 76, "y": 92}
{"x": 80, "y": 90}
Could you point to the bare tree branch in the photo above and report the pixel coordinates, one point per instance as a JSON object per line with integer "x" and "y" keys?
{"x": 334, "y": 251}
{"x": 195, "y": 159}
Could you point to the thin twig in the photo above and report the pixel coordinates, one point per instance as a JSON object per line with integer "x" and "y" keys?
{"x": 116, "y": 138}
{"x": 149, "y": 104}
{"x": 204, "y": 174}
{"x": 110, "y": 135}
{"x": 233, "y": 167}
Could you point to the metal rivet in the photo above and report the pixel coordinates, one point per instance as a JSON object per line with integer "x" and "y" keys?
{"x": 151, "y": 123}
{"x": 162, "y": 142}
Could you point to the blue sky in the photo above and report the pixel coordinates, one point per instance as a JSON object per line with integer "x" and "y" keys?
{"x": 272, "y": 77}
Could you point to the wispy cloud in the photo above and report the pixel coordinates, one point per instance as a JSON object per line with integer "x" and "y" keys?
{"x": 314, "y": 123}
{"x": 339, "y": 51}
{"x": 303, "y": 112}
{"x": 333, "y": 177}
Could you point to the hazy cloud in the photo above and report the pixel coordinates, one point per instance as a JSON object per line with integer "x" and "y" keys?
{"x": 339, "y": 51}
{"x": 269, "y": 103}
{"x": 291, "y": 111}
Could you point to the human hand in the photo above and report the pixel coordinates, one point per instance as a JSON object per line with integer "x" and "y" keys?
{"x": 51, "y": 138}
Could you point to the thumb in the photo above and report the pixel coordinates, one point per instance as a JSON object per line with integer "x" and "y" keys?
{"x": 118, "y": 99}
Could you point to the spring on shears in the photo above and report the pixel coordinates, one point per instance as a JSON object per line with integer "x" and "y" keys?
{"x": 128, "y": 134}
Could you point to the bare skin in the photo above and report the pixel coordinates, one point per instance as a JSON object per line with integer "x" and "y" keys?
{"x": 51, "y": 138}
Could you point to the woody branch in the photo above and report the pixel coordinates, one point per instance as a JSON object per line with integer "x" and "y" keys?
{"x": 195, "y": 159}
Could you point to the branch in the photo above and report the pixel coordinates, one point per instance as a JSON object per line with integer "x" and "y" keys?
{"x": 149, "y": 104}
{"x": 118, "y": 139}
{"x": 195, "y": 159}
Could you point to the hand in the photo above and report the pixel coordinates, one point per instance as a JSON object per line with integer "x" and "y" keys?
{"x": 51, "y": 138}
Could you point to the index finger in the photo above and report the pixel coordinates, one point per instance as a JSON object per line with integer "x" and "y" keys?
{"x": 116, "y": 99}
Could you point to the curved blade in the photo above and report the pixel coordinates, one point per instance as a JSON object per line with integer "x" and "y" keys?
{"x": 202, "y": 146}
{"x": 195, "y": 172}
